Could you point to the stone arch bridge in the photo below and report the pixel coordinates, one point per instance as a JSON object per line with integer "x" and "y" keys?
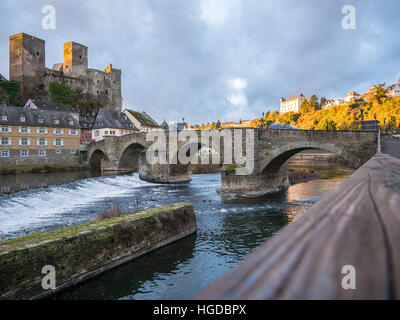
{"x": 268, "y": 152}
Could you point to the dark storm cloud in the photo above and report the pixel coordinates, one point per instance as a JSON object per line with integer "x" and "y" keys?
{"x": 213, "y": 59}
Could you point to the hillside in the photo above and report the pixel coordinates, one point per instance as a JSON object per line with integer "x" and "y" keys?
{"x": 346, "y": 116}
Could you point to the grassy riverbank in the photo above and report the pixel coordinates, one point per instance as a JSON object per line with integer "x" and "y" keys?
{"x": 42, "y": 168}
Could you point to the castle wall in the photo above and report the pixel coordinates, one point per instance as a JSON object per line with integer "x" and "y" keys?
{"x": 100, "y": 84}
{"x": 56, "y": 76}
{"x": 27, "y": 65}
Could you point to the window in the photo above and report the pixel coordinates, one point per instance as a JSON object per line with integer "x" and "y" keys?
{"x": 41, "y": 131}
{"x": 58, "y": 151}
{"x": 71, "y": 122}
{"x": 73, "y": 151}
{"x": 106, "y": 132}
{"x": 4, "y": 117}
{"x": 5, "y": 141}
{"x": 24, "y": 142}
{"x": 58, "y": 142}
{"x": 112, "y": 132}
{"x": 22, "y": 118}
{"x": 58, "y": 131}
{"x": 41, "y": 153}
{"x": 41, "y": 142}
{"x": 96, "y": 133}
{"x": 5, "y": 153}
{"x": 56, "y": 121}
{"x": 24, "y": 130}
{"x": 40, "y": 119}
{"x": 24, "y": 153}
{"x": 73, "y": 132}
{"x": 5, "y": 129}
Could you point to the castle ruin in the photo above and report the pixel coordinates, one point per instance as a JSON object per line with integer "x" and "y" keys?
{"x": 27, "y": 66}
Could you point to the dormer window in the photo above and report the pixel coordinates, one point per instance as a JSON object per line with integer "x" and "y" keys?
{"x": 71, "y": 122}
{"x": 40, "y": 120}
{"x": 56, "y": 121}
{"x": 22, "y": 118}
{"x": 4, "y": 117}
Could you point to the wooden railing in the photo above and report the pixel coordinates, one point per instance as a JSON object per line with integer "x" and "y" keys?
{"x": 347, "y": 246}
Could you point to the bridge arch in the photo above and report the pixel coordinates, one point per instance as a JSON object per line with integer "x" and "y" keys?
{"x": 276, "y": 158}
{"x": 129, "y": 157}
{"x": 95, "y": 158}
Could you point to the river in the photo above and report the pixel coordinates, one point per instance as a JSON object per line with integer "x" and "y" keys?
{"x": 226, "y": 232}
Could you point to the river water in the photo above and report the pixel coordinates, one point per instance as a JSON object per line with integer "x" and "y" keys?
{"x": 226, "y": 232}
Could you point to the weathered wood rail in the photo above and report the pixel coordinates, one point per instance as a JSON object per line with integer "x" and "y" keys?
{"x": 357, "y": 224}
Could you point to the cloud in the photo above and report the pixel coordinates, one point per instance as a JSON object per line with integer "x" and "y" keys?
{"x": 212, "y": 59}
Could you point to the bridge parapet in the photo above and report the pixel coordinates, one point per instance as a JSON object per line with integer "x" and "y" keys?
{"x": 347, "y": 246}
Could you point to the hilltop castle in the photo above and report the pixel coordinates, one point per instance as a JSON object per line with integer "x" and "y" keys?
{"x": 27, "y": 65}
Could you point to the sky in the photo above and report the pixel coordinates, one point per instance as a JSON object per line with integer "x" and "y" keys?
{"x": 227, "y": 60}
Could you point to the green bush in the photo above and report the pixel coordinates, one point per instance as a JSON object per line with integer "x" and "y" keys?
{"x": 10, "y": 91}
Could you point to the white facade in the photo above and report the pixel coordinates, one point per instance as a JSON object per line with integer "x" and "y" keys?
{"x": 292, "y": 104}
{"x": 395, "y": 92}
{"x": 100, "y": 134}
{"x": 351, "y": 95}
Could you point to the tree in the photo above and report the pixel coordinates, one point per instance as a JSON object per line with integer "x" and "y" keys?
{"x": 380, "y": 92}
{"x": 323, "y": 101}
{"x": 218, "y": 125}
{"x": 3, "y": 96}
{"x": 60, "y": 92}
{"x": 326, "y": 124}
{"x": 314, "y": 105}
{"x": 305, "y": 107}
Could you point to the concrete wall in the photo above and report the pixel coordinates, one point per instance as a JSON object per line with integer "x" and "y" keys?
{"x": 84, "y": 251}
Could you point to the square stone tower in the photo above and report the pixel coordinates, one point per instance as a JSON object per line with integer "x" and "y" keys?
{"x": 27, "y": 62}
{"x": 75, "y": 59}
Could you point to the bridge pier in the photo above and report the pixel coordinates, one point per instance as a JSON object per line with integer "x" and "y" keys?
{"x": 242, "y": 188}
{"x": 163, "y": 173}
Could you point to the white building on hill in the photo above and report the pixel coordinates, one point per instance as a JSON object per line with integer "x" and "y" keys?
{"x": 292, "y": 104}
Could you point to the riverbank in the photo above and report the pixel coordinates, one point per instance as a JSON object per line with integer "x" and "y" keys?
{"x": 42, "y": 168}
{"x": 84, "y": 251}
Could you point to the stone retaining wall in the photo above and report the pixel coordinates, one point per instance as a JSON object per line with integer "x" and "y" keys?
{"x": 81, "y": 252}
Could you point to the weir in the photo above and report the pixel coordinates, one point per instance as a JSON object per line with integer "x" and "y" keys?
{"x": 84, "y": 251}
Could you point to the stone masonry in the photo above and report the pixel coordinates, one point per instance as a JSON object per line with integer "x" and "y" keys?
{"x": 27, "y": 65}
{"x": 272, "y": 150}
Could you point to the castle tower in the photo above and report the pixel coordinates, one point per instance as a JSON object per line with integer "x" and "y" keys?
{"x": 116, "y": 89}
{"x": 75, "y": 59}
{"x": 27, "y": 62}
